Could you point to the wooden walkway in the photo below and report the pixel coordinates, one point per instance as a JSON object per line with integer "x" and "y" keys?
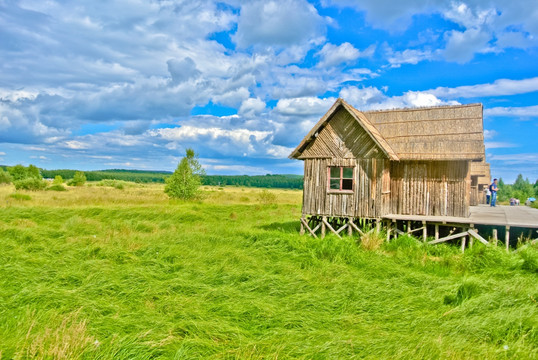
{"x": 511, "y": 216}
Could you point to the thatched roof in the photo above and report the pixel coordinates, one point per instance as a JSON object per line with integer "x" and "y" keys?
{"x": 433, "y": 133}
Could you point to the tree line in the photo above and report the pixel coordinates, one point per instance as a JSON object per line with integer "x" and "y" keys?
{"x": 142, "y": 176}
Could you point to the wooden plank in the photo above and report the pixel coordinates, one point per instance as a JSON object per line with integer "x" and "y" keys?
{"x": 474, "y": 234}
{"x": 357, "y": 229}
{"x": 450, "y": 237}
{"x": 324, "y": 220}
{"x": 308, "y": 228}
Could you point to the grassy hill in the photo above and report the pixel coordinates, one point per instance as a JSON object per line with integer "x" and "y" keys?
{"x": 103, "y": 273}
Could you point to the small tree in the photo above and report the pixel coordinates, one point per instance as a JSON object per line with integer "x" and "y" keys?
{"x": 18, "y": 172}
{"x": 186, "y": 180}
{"x": 78, "y": 180}
{"x": 5, "y": 177}
{"x": 33, "y": 172}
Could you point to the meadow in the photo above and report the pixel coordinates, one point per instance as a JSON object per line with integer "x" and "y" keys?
{"x": 122, "y": 272}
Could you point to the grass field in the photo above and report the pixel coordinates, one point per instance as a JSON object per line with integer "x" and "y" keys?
{"x": 99, "y": 272}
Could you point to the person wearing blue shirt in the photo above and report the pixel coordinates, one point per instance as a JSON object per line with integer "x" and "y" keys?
{"x": 493, "y": 188}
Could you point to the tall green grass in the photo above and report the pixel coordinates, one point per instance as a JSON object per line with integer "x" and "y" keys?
{"x": 229, "y": 278}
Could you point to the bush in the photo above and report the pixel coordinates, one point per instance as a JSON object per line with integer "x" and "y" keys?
{"x": 78, "y": 180}
{"x": 58, "y": 180}
{"x": 5, "y": 177}
{"x": 266, "y": 197}
{"x": 372, "y": 240}
{"x": 57, "y": 187}
{"x": 32, "y": 184}
{"x": 18, "y": 196}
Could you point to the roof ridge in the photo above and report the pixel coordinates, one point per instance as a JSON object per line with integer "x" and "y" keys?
{"x": 420, "y": 108}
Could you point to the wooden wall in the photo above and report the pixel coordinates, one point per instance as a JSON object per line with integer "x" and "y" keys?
{"x": 371, "y": 188}
{"x": 439, "y": 188}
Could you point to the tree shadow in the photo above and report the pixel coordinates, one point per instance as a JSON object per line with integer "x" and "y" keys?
{"x": 289, "y": 227}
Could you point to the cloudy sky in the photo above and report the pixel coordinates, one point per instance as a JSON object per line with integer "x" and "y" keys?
{"x": 95, "y": 84}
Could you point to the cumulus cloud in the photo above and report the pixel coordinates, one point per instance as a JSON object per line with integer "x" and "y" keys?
{"x": 305, "y": 106}
{"x": 333, "y": 55}
{"x": 371, "y": 98}
{"x": 182, "y": 70}
{"x": 251, "y": 107}
{"x": 497, "y": 88}
{"x": 409, "y": 56}
{"x": 277, "y": 23}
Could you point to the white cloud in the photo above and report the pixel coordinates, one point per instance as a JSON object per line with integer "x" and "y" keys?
{"x": 409, "y": 56}
{"x": 76, "y": 145}
{"x": 498, "y": 145}
{"x": 461, "y": 46}
{"x": 523, "y": 111}
{"x": 489, "y": 134}
{"x": 333, "y": 55}
{"x": 497, "y": 88}
{"x": 251, "y": 107}
{"x": 2, "y": 153}
{"x": 305, "y": 106}
{"x": 525, "y": 158}
{"x": 277, "y": 23}
{"x": 371, "y": 98}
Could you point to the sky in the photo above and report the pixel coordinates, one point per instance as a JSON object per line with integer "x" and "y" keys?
{"x": 130, "y": 84}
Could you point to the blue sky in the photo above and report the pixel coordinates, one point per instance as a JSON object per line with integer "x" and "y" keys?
{"x": 131, "y": 83}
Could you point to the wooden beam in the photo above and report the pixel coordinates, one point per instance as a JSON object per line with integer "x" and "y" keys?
{"x": 475, "y": 234}
{"x": 450, "y": 237}
{"x": 323, "y": 230}
{"x": 357, "y": 229}
{"x": 301, "y": 232}
{"x": 341, "y": 228}
{"x": 303, "y": 221}
{"x": 424, "y": 231}
{"x": 507, "y": 238}
{"x": 324, "y": 220}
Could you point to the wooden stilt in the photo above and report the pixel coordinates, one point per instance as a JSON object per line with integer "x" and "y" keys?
{"x": 494, "y": 234}
{"x": 424, "y": 231}
{"x": 389, "y": 225}
{"x": 408, "y": 226}
{"x": 470, "y": 237}
{"x": 507, "y": 238}
{"x": 323, "y": 230}
{"x": 349, "y": 227}
{"x": 436, "y": 231}
{"x": 463, "y": 240}
{"x": 377, "y": 226}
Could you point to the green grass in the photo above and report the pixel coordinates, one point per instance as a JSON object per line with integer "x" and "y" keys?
{"x": 102, "y": 273}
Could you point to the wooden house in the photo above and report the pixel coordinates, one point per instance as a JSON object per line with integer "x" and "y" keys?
{"x": 403, "y": 161}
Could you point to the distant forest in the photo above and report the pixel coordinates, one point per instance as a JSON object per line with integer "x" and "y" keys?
{"x": 141, "y": 176}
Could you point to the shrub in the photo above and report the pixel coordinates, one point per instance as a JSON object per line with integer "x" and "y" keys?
{"x": 58, "y": 180}
{"x": 18, "y": 172}
{"x": 372, "y": 240}
{"x": 18, "y": 196}
{"x": 266, "y": 197}
{"x": 57, "y": 187}
{"x": 32, "y": 184}
{"x": 5, "y": 177}
{"x": 78, "y": 180}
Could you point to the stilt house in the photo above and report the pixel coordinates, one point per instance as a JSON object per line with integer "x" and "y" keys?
{"x": 404, "y": 161}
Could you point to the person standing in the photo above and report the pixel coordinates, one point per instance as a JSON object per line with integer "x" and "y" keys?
{"x": 488, "y": 195}
{"x": 493, "y": 188}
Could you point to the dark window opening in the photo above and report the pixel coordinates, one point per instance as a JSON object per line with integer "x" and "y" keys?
{"x": 340, "y": 178}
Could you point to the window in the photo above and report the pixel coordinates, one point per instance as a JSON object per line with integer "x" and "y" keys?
{"x": 340, "y": 178}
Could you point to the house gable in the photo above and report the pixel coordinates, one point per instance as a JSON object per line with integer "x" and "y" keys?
{"x": 342, "y": 137}
{"x": 348, "y": 134}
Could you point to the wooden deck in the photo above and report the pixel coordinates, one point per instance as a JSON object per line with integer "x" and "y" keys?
{"x": 511, "y": 216}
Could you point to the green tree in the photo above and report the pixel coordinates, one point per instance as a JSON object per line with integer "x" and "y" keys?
{"x": 33, "y": 172}
{"x": 5, "y": 177}
{"x": 185, "y": 182}
{"x": 18, "y": 172}
{"x": 78, "y": 180}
